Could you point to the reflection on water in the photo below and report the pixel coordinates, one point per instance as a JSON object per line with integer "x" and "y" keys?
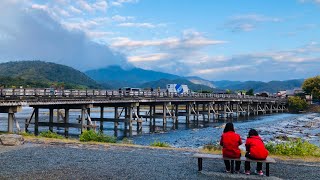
{"x": 195, "y": 134}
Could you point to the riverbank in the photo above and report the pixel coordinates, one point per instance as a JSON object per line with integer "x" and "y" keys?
{"x": 46, "y": 159}
{"x": 313, "y": 108}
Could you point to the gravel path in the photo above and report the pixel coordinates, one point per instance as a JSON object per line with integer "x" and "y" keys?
{"x": 114, "y": 162}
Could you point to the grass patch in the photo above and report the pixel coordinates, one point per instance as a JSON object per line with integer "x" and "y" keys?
{"x": 212, "y": 147}
{"x": 294, "y": 147}
{"x": 49, "y": 134}
{"x": 159, "y": 144}
{"x": 26, "y": 134}
{"x": 91, "y": 135}
{"x": 126, "y": 141}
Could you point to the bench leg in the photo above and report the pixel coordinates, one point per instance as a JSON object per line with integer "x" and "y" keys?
{"x": 199, "y": 164}
{"x": 267, "y": 169}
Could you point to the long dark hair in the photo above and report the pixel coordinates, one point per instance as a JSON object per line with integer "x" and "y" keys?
{"x": 253, "y": 132}
{"x": 228, "y": 127}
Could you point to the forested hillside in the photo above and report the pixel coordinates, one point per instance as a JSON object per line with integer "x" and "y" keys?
{"x": 43, "y": 74}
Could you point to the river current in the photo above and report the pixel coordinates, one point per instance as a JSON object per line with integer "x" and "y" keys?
{"x": 196, "y": 135}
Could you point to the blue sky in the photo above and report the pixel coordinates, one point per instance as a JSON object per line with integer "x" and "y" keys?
{"x": 216, "y": 40}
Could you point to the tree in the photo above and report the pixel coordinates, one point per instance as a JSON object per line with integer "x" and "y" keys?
{"x": 250, "y": 92}
{"x": 228, "y": 91}
{"x": 297, "y": 104}
{"x": 312, "y": 86}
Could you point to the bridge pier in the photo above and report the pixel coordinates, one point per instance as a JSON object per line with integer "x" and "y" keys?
{"x": 11, "y": 110}
{"x": 51, "y": 119}
{"x": 116, "y": 123}
{"x": 164, "y": 107}
{"x": 101, "y": 118}
{"x": 36, "y": 121}
{"x": 10, "y": 122}
{"x": 66, "y": 121}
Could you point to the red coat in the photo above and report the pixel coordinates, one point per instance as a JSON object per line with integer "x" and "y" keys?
{"x": 255, "y": 147}
{"x": 230, "y": 142}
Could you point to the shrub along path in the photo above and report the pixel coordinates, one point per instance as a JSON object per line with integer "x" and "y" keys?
{"x": 72, "y": 161}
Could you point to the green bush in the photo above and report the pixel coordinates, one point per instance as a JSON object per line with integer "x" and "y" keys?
{"x": 91, "y": 135}
{"x": 159, "y": 144}
{"x": 294, "y": 147}
{"x": 297, "y": 104}
{"x": 49, "y": 134}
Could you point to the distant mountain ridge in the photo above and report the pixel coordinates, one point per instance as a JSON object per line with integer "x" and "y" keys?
{"x": 45, "y": 74}
{"x": 116, "y": 77}
{"x": 130, "y": 77}
{"x": 258, "y": 86}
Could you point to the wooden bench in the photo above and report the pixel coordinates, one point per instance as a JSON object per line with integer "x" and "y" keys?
{"x": 216, "y": 156}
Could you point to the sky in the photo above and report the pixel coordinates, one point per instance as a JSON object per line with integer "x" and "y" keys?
{"x": 212, "y": 39}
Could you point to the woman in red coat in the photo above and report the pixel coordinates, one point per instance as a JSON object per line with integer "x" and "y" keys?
{"x": 255, "y": 150}
{"x": 230, "y": 142}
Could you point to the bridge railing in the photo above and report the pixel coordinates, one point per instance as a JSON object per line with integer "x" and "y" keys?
{"x": 62, "y": 93}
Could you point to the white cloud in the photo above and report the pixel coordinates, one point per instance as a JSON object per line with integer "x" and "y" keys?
{"x": 248, "y": 22}
{"x": 254, "y": 18}
{"x": 149, "y": 57}
{"x": 85, "y": 6}
{"x": 141, "y": 25}
{"x": 62, "y": 12}
{"x": 128, "y": 43}
{"x": 99, "y": 34}
{"x": 221, "y": 69}
{"x": 189, "y": 39}
{"x": 39, "y": 6}
{"x": 119, "y": 18}
{"x": 121, "y": 2}
{"x": 34, "y": 35}
{"x": 75, "y": 10}
{"x": 314, "y": 1}
{"x": 85, "y": 25}
{"x": 101, "y": 5}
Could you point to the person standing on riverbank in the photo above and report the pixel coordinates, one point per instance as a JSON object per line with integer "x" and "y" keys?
{"x": 230, "y": 142}
{"x": 255, "y": 150}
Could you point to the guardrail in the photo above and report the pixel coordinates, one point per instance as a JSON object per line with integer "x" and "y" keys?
{"x": 61, "y": 93}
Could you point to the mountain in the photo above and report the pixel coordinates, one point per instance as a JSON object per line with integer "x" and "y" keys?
{"x": 134, "y": 77}
{"x": 163, "y": 82}
{"x": 43, "y": 74}
{"x": 225, "y": 83}
{"x": 258, "y": 86}
{"x": 197, "y": 80}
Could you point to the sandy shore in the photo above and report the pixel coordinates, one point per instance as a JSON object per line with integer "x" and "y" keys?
{"x": 78, "y": 161}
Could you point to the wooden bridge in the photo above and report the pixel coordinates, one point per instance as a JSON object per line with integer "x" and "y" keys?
{"x": 129, "y": 108}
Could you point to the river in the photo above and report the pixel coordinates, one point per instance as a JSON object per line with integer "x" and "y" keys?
{"x": 196, "y": 135}
{"x": 305, "y": 126}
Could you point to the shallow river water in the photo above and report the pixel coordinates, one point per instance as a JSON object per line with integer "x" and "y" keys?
{"x": 305, "y": 126}
{"x": 195, "y": 135}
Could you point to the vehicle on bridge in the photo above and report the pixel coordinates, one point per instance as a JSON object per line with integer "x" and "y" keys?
{"x": 177, "y": 89}
{"x": 130, "y": 91}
